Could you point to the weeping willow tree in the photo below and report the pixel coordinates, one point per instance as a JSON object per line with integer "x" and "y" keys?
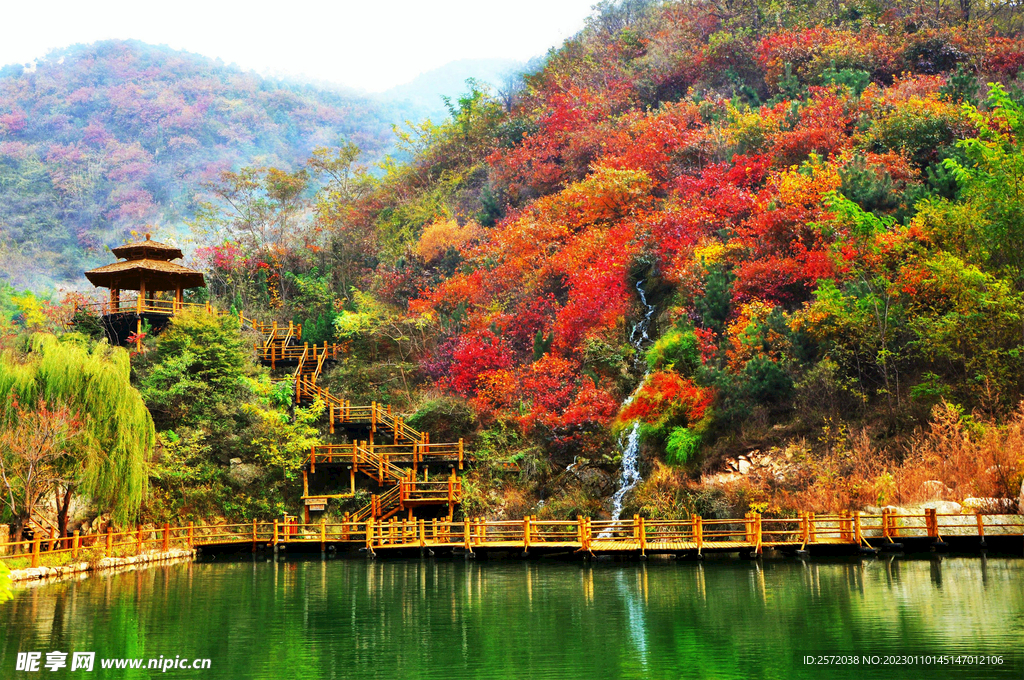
{"x": 109, "y": 462}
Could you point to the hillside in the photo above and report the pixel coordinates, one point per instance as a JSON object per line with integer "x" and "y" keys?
{"x": 99, "y": 139}
{"x": 704, "y": 259}
{"x": 819, "y": 210}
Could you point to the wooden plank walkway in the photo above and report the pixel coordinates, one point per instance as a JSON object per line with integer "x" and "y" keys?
{"x": 635, "y": 537}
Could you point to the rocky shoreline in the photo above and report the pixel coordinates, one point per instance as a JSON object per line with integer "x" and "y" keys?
{"x": 51, "y": 573}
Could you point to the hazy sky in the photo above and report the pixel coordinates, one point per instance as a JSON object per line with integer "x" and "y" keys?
{"x": 371, "y": 44}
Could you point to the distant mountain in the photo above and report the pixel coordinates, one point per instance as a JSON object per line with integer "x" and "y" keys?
{"x": 423, "y": 94}
{"x": 99, "y": 139}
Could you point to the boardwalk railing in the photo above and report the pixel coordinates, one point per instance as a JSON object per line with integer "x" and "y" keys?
{"x": 360, "y": 453}
{"x": 110, "y": 544}
{"x": 636, "y": 535}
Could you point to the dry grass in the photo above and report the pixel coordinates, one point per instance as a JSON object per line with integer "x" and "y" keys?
{"x": 955, "y": 458}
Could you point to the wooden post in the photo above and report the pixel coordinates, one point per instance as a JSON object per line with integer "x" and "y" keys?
{"x": 110, "y": 538}
{"x": 932, "y": 522}
{"x": 460, "y": 453}
{"x": 812, "y": 532}
{"x": 76, "y": 541}
{"x": 642, "y": 532}
{"x": 167, "y": 537}
{"x": 698, "y": 532}
{"x": 254, "y": 535}
{"x": 856, "y": 527}
{"x": 758, "y": 530}
{"x": 323, "y": 534}
{"x": 981, "y": 524}
{"x": 433, "y": 530}
{"x": 886, "y": 531}
{"x": 467, "y": 536}
{"x": 423, "y": 533}
{"x": 138, "y": 546}
{"x": 345, "y": 528}
{"x": 192, "y": 535}
{"x": 526, "y": 533}
{"x": 36, "y": 540}
{"x": 275, "y": 532}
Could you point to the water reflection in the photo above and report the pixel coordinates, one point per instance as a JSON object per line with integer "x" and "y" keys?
{"x": 266, "y": 618}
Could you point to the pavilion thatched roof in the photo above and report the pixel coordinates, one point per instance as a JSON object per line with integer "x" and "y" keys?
{"x": 147, "y": 250}
{"x": 158, "y": 275}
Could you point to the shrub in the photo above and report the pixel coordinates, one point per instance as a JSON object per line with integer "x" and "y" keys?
{"x": 766, "y": 382}
{"x": 682, "y": 446}
{"x": 447, "y": 419}
{"x": 677, "y": 348}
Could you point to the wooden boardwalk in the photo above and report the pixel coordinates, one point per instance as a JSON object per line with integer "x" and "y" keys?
{"x": 851, "y": 533}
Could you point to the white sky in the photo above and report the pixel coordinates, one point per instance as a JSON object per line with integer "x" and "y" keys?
{"x": 369, "y": 45}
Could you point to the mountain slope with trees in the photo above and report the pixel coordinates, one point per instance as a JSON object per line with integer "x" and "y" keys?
{"x": 96, "y": 140}
{"x": 821, "y": 201}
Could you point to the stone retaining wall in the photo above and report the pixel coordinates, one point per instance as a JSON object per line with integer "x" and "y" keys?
{"x": 105, "y": 563}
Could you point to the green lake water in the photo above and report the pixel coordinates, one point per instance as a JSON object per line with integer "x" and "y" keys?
{"x": 352, "y": 618}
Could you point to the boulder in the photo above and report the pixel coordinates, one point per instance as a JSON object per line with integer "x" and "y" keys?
{"x": 244, "y": 474}
{"x": 942, "y": 507}
{"x": 992, "y": 505}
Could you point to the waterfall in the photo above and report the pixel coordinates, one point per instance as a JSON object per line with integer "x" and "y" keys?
{"x": 629, "y": 477}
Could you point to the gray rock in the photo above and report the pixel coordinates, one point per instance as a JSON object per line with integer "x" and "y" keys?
{"x": 244, "y": 474}
{"x": 235, "y": 461}
{"x": 943, "y": 507}
{"x": 989, "y": 504}
{"x": 595, "y": 479}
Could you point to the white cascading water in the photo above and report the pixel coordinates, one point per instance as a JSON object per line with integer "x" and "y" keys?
{"x": 630, "y": 475}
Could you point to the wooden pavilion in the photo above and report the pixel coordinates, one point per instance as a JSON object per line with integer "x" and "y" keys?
{"x": 145, "y": 267}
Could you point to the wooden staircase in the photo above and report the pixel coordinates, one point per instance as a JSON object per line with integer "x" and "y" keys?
{"x": 396, "y": 464}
